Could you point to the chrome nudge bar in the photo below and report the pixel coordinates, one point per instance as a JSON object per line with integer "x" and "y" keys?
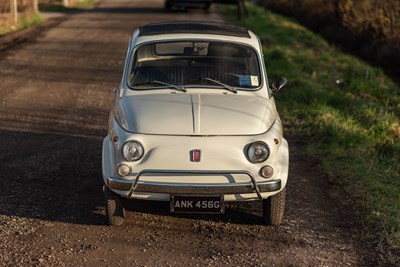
{"x": 191, "y": 188}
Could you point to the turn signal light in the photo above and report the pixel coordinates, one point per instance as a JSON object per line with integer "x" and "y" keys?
{"x": 123, "y": 170}
{"x": 267, "y": 171}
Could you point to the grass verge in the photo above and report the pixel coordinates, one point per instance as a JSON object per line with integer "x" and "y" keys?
{"x": 344, "y": 112}
{"x": 83, "y": 4}
{"x": 25, "y": 21}
{"x": 32, "y": 19}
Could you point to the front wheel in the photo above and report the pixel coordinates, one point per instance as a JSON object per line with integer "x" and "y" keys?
{"x": 274, "y": 208}
{"x": 115, "y": 211}
{"x": 168, "y": 6}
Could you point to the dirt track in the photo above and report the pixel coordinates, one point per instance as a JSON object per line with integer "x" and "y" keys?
{"x": 55, "y": 95}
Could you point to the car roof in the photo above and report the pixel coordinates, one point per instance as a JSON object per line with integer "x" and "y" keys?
{"x": 193, "y": 27}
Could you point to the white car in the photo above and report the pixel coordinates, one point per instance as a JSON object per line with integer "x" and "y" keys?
{"x": 195, "y": 123}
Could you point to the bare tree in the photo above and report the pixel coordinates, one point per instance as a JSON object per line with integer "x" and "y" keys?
{"x": 35, "y": 6}
{"x": 14, "y": 10}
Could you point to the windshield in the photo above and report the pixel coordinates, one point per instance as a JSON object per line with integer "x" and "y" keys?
{"x": 194, "y": 63}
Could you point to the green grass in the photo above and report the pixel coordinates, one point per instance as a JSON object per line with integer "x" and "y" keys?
{"x": 31, "y": 19}
{"x": 342, "y": 111}
{"x": 83, "y": 4}
{"x": 25, "y": 21}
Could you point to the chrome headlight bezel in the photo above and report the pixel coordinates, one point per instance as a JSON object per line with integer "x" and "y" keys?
{"x": 262, "y": 147}
{"x": 130, "y": 155}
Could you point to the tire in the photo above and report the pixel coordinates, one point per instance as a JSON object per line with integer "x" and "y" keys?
{"x": 168, "y": 6}
{"x": 274, "y": 208}
{"x": 115, "y": 211}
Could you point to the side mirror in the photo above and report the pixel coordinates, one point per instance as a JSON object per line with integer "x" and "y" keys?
{"x": 277, "y": 84}
{"x": 115, "y": 90}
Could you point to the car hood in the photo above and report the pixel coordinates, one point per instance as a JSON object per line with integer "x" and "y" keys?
{"x": 195, "y": 114}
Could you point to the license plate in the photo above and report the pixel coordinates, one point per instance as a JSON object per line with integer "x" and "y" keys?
{"x": 197, "y": 204}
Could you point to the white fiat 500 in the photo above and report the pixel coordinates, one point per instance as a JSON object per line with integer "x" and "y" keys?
{"x": 195, "y": 123}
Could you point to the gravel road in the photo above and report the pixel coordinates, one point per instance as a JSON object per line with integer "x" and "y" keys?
{"x": 55, "y": 95}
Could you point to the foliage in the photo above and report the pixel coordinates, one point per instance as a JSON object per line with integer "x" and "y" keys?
{"x": 57, "y": 6}
{"x": 370, "y": 27}
{"x": 26, "y": 20}
{"x": 346, "y": 113}
{"x": 83, "y": 4}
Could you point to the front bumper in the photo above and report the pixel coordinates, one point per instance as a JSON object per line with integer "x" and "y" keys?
{"x": 136, "y": 185}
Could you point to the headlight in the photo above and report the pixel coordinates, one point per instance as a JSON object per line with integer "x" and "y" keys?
{"x": 132, "y": 150}
{"x": 258, "y": 152}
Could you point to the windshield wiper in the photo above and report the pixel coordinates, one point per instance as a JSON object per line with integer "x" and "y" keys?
{"x": 169, "y": 85}
{"x": 230, "y": 88}
{"x": 179, "y": 88}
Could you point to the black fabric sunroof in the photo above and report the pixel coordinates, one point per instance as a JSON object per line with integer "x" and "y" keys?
{"x": 193, "y": 27}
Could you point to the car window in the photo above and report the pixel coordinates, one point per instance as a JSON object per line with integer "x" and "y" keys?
{"x": 191, "y": 63}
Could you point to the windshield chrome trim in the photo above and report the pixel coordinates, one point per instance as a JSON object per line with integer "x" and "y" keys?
{"x": 132, "y": 52}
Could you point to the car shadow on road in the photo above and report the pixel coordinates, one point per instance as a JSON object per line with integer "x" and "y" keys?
{"x": 52, "y": 177}
{"x": 246, "y": 213}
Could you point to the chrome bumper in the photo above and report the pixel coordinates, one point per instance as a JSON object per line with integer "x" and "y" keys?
{"x": 185, "y": 188}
